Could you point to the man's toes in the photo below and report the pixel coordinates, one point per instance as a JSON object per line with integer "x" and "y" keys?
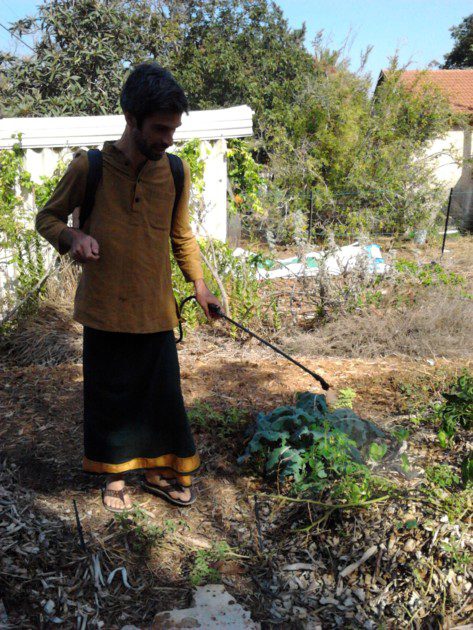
{"x": 128, "y": 503}
{"x": 116, "y": 503}
{"x": 183, "y": 495}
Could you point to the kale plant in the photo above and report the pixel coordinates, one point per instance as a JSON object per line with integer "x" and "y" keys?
{"x": 309, "y": 442}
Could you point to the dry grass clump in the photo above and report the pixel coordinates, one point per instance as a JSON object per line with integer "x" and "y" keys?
{"x": 48, "y": 335}
{"x": 440, "y": 325}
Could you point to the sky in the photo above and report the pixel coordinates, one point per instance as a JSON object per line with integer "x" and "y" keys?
{"x": 418, "y": 29}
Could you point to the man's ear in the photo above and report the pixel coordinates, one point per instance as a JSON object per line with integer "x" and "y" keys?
{"x": 130, "y": 120}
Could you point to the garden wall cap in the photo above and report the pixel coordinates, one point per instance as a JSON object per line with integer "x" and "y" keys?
{"x": 84, "y": 131}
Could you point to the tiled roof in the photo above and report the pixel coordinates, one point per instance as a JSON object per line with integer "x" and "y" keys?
{"x": 457, "y": 85}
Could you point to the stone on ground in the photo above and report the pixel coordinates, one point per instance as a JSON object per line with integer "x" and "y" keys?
{"x": 213, "y": 608}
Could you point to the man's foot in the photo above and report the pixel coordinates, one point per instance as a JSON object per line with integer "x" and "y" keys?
{"x": 115, "y": 496}
{"x": 180, "y": 493}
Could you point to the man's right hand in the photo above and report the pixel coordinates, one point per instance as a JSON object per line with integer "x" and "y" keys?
{"x": 82, "y": 247}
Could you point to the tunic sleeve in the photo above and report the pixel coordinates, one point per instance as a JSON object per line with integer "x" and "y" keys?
{"x": 184, "y": 244}
{"x": 68, "y": 194}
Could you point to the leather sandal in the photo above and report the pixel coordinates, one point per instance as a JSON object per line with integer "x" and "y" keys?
{"x": 171, "y": 485}
{"x": 120, "y": 494}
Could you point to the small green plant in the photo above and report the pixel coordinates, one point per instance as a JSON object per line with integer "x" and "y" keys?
{"x": 377, "y": 451}
{"x": 460, "y": 558}
{"x": 141, "y": 535}
{"x": 467, "y": 470}
{"x": 453, "y": 504}
{"x": 358, "y": 484}
{"x": 457, "y": 410}
{"x": 170, "y": 526}
{"x": 223, "y": 423}
{"x": 401, "y": 434}
{"x": 202, "y": 571}
{"x": 405, "y": 463}
{"x": 411, "y": 524}
{"x": 345, "y": 399}
{"x": 428, "y": 275}
{"x": 442, "y": 475}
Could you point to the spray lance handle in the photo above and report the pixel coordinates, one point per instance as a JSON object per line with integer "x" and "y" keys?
{"x": 216, "y": 310}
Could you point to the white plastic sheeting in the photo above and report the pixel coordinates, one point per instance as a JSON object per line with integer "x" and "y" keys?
{"x": 335, "y": 262}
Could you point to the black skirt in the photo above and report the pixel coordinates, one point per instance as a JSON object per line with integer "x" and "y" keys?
{"x": 134, "y": 415}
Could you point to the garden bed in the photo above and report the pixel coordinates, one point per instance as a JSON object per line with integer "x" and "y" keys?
{"x": 401, "y": 557}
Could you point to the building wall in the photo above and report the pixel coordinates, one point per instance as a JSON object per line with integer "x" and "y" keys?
{"x": 450, "y": 154}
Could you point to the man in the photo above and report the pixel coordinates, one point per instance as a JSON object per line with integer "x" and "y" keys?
{"x": 134, "y": 416}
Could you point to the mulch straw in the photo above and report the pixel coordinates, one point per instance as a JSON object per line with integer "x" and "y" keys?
{"x": 46, "y": 577}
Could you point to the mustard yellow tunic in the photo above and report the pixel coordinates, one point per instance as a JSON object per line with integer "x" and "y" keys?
{"x": 129, "y": 288}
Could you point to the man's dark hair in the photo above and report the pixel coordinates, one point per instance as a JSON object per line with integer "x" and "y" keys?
{"x": 150, "y": 89}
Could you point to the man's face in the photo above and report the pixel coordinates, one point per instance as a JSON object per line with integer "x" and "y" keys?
{"x": 156, "y": 133}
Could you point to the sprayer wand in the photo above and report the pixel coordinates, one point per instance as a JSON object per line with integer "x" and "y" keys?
{"x": 216, "y": 310}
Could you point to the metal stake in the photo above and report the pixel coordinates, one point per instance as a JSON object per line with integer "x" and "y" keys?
{"x": 446, "y": 221}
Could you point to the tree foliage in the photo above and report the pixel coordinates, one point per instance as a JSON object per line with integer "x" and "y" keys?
{"x": 318, "y": 131}
{"x": 461, "y": 56}
{"x": 224, "y": 52}
{"x": 82, "y": 51}
{"x": 359, "y": 158}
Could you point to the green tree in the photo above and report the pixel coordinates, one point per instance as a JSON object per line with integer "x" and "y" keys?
{"x": 82, "y": 50}
{"x": 461, "y": 56}
{"x": 362, "y": 159}
{"x": 224, "y": 52}
{"x": 242, "y": 51}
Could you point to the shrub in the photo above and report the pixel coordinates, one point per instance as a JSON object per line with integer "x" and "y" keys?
{"x": 457, "y": 410}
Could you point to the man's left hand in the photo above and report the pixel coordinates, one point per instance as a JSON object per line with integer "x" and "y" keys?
{"x": 205, "y": 297}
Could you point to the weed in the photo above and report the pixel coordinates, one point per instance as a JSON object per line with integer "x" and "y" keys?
{"x": 345, "y": 399}
{"x": 223, "y": 423}
{"x": 457, "y": 411}
{"x": 411, "y": 524}
{"x": 442, "y": 475}
{"x": 454, "y": 505}
{"x": 428, "y": 275}
{"x": 359, "y": 485}
{"x": 460, "y": 559}
{"x": 141, "y": 535}
{"x": 202, "y": 571}
{"x": 405, "y": 463}
{"x": 401, "y": 434}
{"x": 467, "y": 471}
{"x": 377, "y": 451}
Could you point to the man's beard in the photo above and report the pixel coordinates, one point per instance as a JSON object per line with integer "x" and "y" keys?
{"x": 150, "y": 152}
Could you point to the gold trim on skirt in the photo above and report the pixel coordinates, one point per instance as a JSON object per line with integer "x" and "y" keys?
{"x": 182, "y": 466}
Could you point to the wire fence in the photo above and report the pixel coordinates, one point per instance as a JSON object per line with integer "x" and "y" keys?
{"x": 354, "y": 214}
